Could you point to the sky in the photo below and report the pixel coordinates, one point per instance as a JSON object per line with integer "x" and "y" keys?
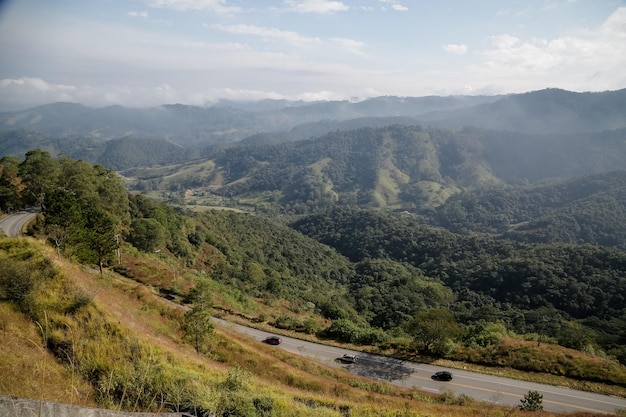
{"x": 141, "y": 53}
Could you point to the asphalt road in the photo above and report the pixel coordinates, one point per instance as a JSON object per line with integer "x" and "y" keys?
{"x": 13, "y": 224}
{"x": 492, "y": 389}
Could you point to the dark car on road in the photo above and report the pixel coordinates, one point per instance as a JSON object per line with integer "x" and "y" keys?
{"x": 442, "y": 376}
{"x": 273, "y": 340}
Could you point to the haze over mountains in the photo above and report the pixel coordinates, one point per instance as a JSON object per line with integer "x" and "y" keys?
{"x": 384, "y": 152}
{"x": 222, "y": 123}
{"x": 546, "y": 111}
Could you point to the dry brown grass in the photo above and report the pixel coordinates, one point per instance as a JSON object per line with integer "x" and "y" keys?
{"x": 549, "y": 364}
{"x": 28, "y": 370}
{"x": 136, "y": 307}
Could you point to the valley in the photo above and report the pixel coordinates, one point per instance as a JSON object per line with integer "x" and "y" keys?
{"x": 467, "y": 234}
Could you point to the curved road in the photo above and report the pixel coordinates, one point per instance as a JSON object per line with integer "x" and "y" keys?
{"x": 487, "y": 388}
{"x": 13, "y": 224}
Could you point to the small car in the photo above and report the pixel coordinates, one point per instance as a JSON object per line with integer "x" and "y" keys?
{"x": 273, "y": 340}
{"x": 348, "y": 357}
{"x": 442, "y": 376}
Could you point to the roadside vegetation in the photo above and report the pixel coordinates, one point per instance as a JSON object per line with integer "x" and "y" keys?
{"x": 93, "y": 301}
{"x": 123, "y": 347}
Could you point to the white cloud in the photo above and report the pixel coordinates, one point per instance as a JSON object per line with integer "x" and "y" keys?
{"x": 394, "y": 5}
{"x": 267, "y": 33}
{"x": 217, "y": 6}
{"x": 400, "y": 8}
{"x": 315, "y": 6}
{"x": 322, "y": 95}
{"x": 345, "y": 45}
{"x": 460, "y": 49}
{"x": 137, "y": 14}
{"x": 35, "y": 84}
{"x": 25, "y": 92}
{"x": 350, "y": 45}
{"x": 584, "y": 59}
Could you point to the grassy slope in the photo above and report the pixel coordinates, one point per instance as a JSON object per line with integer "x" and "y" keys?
{"x": 290, "y": 381}
{"x": 295, "y": 386}
{"x": 30, "y": 371}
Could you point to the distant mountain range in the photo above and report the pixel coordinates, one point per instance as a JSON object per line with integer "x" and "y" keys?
{"x": 394, "y": 152}
{"x": 547, "y": 111}
{"x": 222, "y": 123}
{"x": 550, "y": 111}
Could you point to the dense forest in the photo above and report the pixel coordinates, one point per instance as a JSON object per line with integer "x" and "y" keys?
{"x": 372, "y": 276}
{"x": 589, "y": 209}
{"x": 542, "y": 288}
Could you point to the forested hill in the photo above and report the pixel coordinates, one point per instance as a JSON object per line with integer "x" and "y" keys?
{"x": 406, "y": 167}
{"x": 354, "y": 275}
{"x": 549, "y": 111}
{"x": 492, "y": 279}
{"x": 589, "y": 209}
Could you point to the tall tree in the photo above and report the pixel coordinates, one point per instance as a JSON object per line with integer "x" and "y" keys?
{"x": 39, "y": 172}
{"x": 79, "y": 178}
{"x": 95, "y": 186}
{"x": 432, "y": 328}
{"x": 99, "y": 236}
{"x": 113, "y": 196}
{"x": 197, "y": 324}
{"x": 10, "y": 184}
{"x": 146, "y": 234}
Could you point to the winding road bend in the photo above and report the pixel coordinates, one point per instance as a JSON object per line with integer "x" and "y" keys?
{"x": 13, "y": 224}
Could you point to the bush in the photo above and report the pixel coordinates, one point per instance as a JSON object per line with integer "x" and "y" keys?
{"x": 343, "y": 330}
{"x": 264, "y": 406}
{"x": 532, "y": 402}
{"x": 287, "y": 322}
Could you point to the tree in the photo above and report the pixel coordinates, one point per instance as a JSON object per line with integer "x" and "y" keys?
{"x": 344, "y": 330}
{"x": 532, "y": 402}
{"x": 10, "y": 184}
{"x": 576, "y": 336}
{"x": 39, "y": 172}
{"x": 57, "y": 234}
{"x": 95, "y": 186}
{"x": 99, "y": 236}
{"x": 146, "y": 234}
{"x": 432, "y": 328}
{"x": 113, "y": 196}
{"x": 64, "y": 220}
{"x": 197, "y": 324}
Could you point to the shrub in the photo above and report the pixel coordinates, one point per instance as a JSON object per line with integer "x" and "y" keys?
{"x": 287, "y": 322}
{"x": 343, "y": 330}
{"x": 532, "y": 402}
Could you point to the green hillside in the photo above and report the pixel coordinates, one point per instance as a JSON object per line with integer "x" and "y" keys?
{"x": 520, "y": 285}
{"x": 374, "y": 280}
{"x": 399, "y": 167}
{"x": 589, "y": 209}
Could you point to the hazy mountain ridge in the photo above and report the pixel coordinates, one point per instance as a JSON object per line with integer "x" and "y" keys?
{"x": 549, "y": 111}
{"x": 82, "y": 132}
{"x": 223, "y": 122}
{"x": 545, "y": 111}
